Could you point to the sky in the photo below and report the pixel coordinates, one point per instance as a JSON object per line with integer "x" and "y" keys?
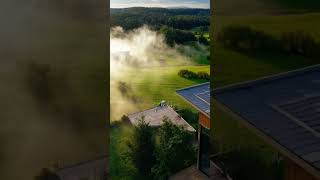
{"x": 160, "y": 3}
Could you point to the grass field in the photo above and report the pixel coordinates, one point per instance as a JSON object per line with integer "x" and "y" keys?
{"x": 151, "y": 85}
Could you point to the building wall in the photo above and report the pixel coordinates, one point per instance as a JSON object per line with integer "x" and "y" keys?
{"x": 204, "y": 121}
{"x": 295, "y": 172}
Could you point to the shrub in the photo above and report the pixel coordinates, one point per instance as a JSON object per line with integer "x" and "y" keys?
{"x": 203, "y": 75}
{"x": 245, "y": 39}
{"x": 170, "y": 156}
{"x": 142, "y": 147}
{"x": 192, "y": 75}
{"x": 299, "y": 43}
{"x": 187, "y": 74}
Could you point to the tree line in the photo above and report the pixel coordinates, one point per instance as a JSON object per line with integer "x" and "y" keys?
{"x": 250, "y": 41}
{"x": 186, "y": 19}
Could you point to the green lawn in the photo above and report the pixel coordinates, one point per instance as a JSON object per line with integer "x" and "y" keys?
{"x": 151, "y": 85}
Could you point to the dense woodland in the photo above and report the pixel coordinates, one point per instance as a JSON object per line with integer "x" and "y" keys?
{"x": 186, "y": 19}
{"x": 177, "y": 25}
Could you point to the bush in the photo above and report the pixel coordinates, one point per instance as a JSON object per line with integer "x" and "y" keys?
{"x": 176, "y": 36}
{"x": 203, "y": 75}
{"x": 245, "y": 39}
{"x": 203, "y": 40}
{"x": 192, "y": 75}
{"x": 142, "y": 147}
{"x": 170, "y": 156}
{"x": 187, "y": 74}
{"x": 250, "y": 41}
{"x": 299, "y": 43}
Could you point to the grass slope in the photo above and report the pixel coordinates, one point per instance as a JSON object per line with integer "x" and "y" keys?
{"x": 151, "y": 85}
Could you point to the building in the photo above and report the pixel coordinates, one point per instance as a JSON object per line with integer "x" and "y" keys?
{"x": 156, "y": 115}
{"x": 96, "y": 169}
{"x": 284, "y": 110}
{"x": 199, "y": 97}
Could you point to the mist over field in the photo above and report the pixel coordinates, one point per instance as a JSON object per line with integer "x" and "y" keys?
{"x": 136, "y": 51}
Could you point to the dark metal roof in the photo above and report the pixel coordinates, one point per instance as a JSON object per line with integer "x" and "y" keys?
{"x": 198, "y": 96}
{"x": 284, "y": 107}
{"x": 92, "y": 169}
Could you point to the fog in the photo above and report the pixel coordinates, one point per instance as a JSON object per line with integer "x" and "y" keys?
{"x": 134, "y": 51}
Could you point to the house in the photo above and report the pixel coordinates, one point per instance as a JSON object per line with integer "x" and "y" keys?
{"x": 156, "y": 115}
{"x": 96, "y": 169}
{"x": 198, "y": 96}
{"x": 284, "y": 110}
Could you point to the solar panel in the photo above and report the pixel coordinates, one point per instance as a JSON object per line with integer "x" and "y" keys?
{"x": 305, "y": 112}
{"x": 205, "y": 97}
{"x": 199, "y": 96}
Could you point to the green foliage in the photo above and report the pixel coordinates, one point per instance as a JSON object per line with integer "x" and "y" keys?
{"x": 203, "y": 40}
{"x": 192, "y": 75}
{"x": 175, "y": 36}
{"x": 190, "y": 116}
{"x": 46, "y": 174}
{"x": 187, "y": 21}
{"x": 300, "y": 43}
{"x": 142, "y": 147}
{"x": 132, "y": 18}
{"x": 249, "y": 41}
{"x": 246, "y": 164}
{"x": 246, "y": 40}
{"x": 170, "y": 156}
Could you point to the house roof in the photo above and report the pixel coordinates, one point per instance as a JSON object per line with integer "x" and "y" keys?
{"x": 284, "y": 109}
{"x": 155, "y": 116}
{"x": 96, "y": 168}
{"x": 198, "y": 96}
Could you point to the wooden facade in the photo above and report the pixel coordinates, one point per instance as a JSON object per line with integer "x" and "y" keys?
{"x": 295, "y": 172}
{"x": 204, "y": 121}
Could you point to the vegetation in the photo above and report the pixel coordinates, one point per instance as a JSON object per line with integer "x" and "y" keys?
{"x": 142, "y": 147}
{"x": 170, "y": 156}
{"x": 192, "y": 75}
{"x": 142, "y": 152}
{"x": 247, "y": 40}
{"x": 132, "y": 18}
{"x": 176, "y": 36}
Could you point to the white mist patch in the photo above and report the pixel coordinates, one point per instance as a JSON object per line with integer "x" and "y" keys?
{"x": 132, "y": 51}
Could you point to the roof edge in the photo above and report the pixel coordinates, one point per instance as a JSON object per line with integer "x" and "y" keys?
{"x": 267, "y": 78}
{"x": 269, "y": 140}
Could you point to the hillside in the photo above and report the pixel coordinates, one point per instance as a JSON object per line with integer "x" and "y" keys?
{"x": 250, "y": 7}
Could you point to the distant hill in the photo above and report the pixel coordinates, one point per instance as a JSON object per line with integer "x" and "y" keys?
{"x": 236, "y": 7}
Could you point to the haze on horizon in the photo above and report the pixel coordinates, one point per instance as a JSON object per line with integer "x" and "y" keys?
{"x": 204, "y": 4}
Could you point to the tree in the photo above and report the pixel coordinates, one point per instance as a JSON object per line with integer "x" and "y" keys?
{"x": 142, "y": 147}
{"x": 203, "y": 40}
{"x": 176, "y": 36}
{"x": 174, "y": 151}
{"x": 47, "y": 174}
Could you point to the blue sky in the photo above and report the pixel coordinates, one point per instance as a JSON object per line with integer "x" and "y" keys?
{"x": 160, "y": 3}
